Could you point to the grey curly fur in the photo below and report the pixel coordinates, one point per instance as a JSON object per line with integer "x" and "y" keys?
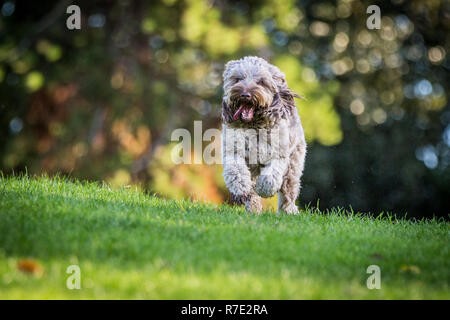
{"x": 261, "y": 87}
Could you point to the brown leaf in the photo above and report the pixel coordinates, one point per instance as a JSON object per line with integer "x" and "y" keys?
{"x": 30, "y": 266}
{"x": 410, "y": 269}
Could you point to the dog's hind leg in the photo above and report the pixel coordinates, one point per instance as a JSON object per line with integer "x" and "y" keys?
{"x": 291, "y": 182}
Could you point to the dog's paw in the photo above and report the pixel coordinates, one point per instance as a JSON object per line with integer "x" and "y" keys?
{"x": 254, "y": 205}
{"x": 240, "y": 199}
{"x": 290, "y": 209}
{"x": 251, "y": 202}
{"x": 267, "y": 185}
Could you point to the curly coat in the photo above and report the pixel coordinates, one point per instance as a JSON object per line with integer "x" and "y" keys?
{"x": 257, "y": 99}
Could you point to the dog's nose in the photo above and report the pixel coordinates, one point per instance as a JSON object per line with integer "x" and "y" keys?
{"x": 245, "y": 95}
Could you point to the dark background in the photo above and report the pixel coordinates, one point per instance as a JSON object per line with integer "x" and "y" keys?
{"x": 100, "y": 103}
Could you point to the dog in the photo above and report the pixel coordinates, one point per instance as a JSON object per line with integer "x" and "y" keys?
{"x": 260, "y": 120}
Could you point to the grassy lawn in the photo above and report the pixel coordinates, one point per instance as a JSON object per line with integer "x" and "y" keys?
{"x": 131, "y": 245}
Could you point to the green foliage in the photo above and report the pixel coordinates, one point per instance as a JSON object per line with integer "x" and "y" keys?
{"x": 34, "y": 80}
{"x": 319, "y": 118}
{"x": 99, "y": 102}
{"x": 131, "y": 245}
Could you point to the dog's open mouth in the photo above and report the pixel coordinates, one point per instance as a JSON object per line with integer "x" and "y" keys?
{"x": 245, "y": 111}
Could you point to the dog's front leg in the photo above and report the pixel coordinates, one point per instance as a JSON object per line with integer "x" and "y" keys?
{"x": 271, "y": 178}
{"x": 239, "y": 182}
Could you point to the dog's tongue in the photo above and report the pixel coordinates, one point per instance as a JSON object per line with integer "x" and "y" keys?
{"x": 238, "y": 112}
{"x": 245, "y": 111}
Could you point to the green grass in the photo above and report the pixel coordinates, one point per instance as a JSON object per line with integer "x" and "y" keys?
{"x": 131, "y": 245}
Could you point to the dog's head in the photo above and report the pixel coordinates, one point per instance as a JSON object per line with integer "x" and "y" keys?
{"x": 251, "y": 87}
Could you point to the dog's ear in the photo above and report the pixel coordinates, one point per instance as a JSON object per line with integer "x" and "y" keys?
{"x": 279, "y": 78}
{"x": 227, "y": 114}
{"x": 283, "y": 103}
{"x": 284, "y": 96}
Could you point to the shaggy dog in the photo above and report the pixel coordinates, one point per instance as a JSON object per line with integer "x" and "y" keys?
{"x": 263, "y": 143}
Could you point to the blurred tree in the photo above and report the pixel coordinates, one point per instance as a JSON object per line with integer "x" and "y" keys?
{"x": 101, "y": 102}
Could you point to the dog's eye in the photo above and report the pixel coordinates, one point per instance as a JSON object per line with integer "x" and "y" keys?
{"x": 237, "y": 79}
{"x": 261, "y": 82}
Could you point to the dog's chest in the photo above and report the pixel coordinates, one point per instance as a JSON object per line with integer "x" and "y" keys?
{"x": 257, "y": 147}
